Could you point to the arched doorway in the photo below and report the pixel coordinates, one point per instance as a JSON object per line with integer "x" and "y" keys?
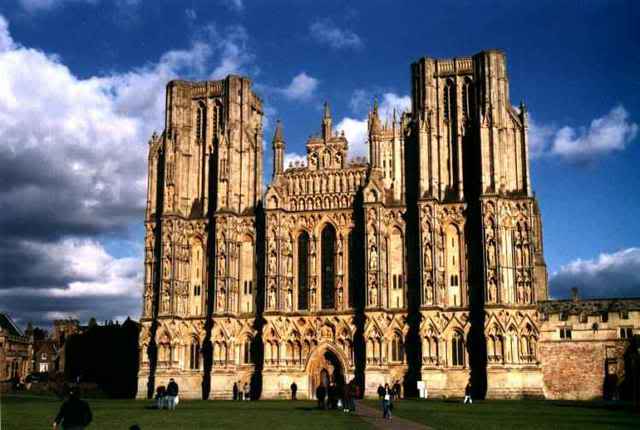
{"x": 324, "y": 368}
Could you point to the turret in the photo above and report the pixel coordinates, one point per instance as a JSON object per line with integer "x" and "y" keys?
{"x": 375, "y": 142}
{"x": 326, "y": 122}
{"x": 278, "y": 150}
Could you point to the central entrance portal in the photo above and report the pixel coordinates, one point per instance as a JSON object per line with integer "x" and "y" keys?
{"x": 324, "y": 369}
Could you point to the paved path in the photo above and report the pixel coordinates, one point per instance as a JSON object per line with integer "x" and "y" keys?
{"x": 374, "y": 417}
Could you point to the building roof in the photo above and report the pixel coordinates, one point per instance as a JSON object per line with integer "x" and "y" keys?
{"x": 6, "y": 323}
{"x": 589, "y": 306}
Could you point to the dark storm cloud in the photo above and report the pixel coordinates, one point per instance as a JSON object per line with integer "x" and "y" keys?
{"x": 609, "y": 275}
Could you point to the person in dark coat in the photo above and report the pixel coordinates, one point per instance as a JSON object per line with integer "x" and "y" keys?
{"x": 321, "y": 393}
{"x": 386, "y": 402}
{"x": 346, "y": 398}
{"x": 172, "y": 394}
{"x": 380, "y": 392}
{"x": 467, "y": 393}
{"x": 396, "y": 390}
{"x": 331, "y": 396}
{"x": 294, "y": 390}
{"x": 74, "y": 413}
{"x": 235, "y": 391}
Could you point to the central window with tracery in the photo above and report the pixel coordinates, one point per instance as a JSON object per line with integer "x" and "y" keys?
{"x": 303, "y": 271}
{"x": 328, "y": 267}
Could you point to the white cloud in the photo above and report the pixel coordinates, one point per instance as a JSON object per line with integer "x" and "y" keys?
{"x": 236, "y": 57}
{"x": 44, "y": 5}
{"x": 191, "y": 14}
{"x": 609, "y": 133}
{"x": 355, "y": 129}
{"x": 87, "y": 268}
{"x": 73, "y": 158}
{"x": 609, "y": 275}
{"x": 327, "y": 32}
{"x": 302, "y": 87}
{"x": 6, "y": 42}
{"x": 236, "y": 5}
{"x": 291, "y": 158}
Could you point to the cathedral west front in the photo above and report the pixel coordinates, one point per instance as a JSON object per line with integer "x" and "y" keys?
{"x": 422, "y": 263}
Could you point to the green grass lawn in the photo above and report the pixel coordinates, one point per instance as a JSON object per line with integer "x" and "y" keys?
{"x": 25, "y": 412}
{"x": 38, "y": 413}
{"x": 516, "y": 414}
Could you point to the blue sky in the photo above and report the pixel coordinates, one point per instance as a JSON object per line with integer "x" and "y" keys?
{"x": 83, "y": 89}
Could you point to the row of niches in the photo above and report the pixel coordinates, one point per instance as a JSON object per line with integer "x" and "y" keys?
{"x": 347, "y": 181}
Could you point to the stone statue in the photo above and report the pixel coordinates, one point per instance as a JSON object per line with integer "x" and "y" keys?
{"x": 492, "y": 290}
{"x": 289, "y": 299}
{"x": 491, "y": 254}
{"x": 272, "y": 297}
{"x": 373, "y": 258}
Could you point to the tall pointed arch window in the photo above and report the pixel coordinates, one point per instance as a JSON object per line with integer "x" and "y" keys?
{"x": 449, "y": 100}
{"x": 352, "y": 270}
{"x": 468, "y": 98}
{"x": 328, "y": 267}
{"x": 303, "y": 271}
{"x": 457, "y": 349}
{"x": 201, "y": 122}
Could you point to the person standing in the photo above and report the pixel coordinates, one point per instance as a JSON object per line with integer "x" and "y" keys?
{"x": 235, "y": 391}
{"x": 74, "y": 413}
{"x": 386, "y": 402}
{"x": 467, "y": 393}
{"x": 247, "y": 392}
{"x": 294, "y": 390}
{"x": 396, "y": 390}
{"x": 172, "y": 394}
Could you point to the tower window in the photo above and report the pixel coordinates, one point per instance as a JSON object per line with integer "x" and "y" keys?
{"x": 565, "y": 333}
{"x": 626, "y": 332}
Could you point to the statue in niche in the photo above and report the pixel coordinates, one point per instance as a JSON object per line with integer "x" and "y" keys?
{"x": 373, "y": 258}
{"x": 339, "y": 293}
{"x": 166, "y": 297}
{"x": 312, "y": 296}
{"x": 289, "y": 299}
{"x": 373, "y": 291}
{"x": 221, "y": 299}
{"x": 148, "y": 302}
{"x": 520, "y": 293}
{"x": 492, "y": 290}
{"x": 518, "y": 255}
{"x": 272, "y": 296}
{"x": 429, "y": 292}
{"x": 491, "y": 254}
{"x": 327, "y": 160}
{"x": 527, "y": 292}
{"x": 221, "y": 264}
{"x": 428, "y": 263}
{"x": 525, "y": 256}
{"x": 272, "y": 263}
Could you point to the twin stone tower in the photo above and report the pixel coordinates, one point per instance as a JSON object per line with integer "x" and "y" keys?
{"x": 424, "y": 263}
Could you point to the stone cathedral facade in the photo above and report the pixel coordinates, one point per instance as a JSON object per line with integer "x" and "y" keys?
{"x": 423, "y": 263}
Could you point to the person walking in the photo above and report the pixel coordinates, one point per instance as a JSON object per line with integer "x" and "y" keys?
{"x": 172, "y": 394}
{"x": 321, "y": 393}
{"x": 467, "y": 394}
{"x": 236, "y": 394}
{"x": 74, "y": 413}
{"x": 294, "y": 390}
{"x": 386, "y": 402}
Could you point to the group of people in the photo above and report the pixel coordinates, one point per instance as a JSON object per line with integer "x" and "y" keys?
{"x": 244, "y": 394}
{"x": 167, "y": 397}
{"x": 338, "y": 396}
